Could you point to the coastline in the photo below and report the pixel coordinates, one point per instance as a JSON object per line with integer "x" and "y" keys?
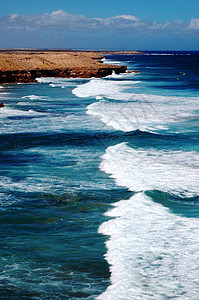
{"x": 24, "y": 66}
{"x": 99, "y": 183}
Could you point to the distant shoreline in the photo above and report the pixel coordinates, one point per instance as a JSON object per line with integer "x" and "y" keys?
{"x": 25, "y": 65}
{"x": 10, "y": 50}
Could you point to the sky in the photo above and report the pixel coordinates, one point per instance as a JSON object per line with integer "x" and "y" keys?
{"x": 100, "y": 24}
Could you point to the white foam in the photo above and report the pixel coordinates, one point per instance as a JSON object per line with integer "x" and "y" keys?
{"x": 114, "y": 89}
{"x": 9, "y": 112}
{"x": 122, "y": 76}
{"x": 135, "y": 111}
{"x": 152, "y": 253}
{"x": 142, "y": 114}
{"x": 24, "y": 103}
{"x": 3, "y": 93}
{"x": 47, "y": 122}
{"x": 63, "y": 85}
{"x": 103, "y": 87}
{"x": 6, "y": 200}
{"x": 58, "y": 80}
{"x": 111, "y": 62}
{"x": 128, "y": 116}
{"x": 176, "y": 172}
{"x": 30, "y": 184}
{"x": 167, "y": 54}
{"x": 34, "y": 97}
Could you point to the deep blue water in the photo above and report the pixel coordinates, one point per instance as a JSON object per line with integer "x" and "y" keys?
{"x": 99, "y": 194}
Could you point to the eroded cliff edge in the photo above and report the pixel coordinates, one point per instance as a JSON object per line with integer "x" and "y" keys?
{"x": 26, "y": 66}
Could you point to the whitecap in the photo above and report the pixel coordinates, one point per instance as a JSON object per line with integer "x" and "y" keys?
{"x": 135, "y": 110}
{"x": 115, "y": 89}
{"x": 10, "y": 112}
{"x": 103, "y": 87}
{"x": 175, "y": 172}
{"x": 63, "y": 85}
{"x": 58, "y": 80}
{"x": 24, "y": 103}
{"x": 142, "y": 114}
{"x": 152, "y": 253}
{"x": 111, "y": 61}
{"x": 122, "y": 76}
{"x": 34, "y": 97}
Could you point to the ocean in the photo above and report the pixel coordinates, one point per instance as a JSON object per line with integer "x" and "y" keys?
{"x": 99, "y": 193}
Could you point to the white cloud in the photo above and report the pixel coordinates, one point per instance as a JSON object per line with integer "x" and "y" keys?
{"x": 176, "y": 26}
{"x": 194, "y": 24}
{"x": 58, "y": 13}
{"x": 127, "y": 17}
{"x": 61, "y": 20}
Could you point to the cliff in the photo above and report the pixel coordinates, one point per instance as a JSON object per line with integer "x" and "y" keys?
{"x": 26, "y": 66}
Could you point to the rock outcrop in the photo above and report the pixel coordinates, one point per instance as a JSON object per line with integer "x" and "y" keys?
{"x": 26, "y": 66}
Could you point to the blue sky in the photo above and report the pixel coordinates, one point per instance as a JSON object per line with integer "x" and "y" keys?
{"x": 105, "y": 24}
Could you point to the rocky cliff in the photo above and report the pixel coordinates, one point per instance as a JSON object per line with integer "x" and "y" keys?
{"x": 26, "y": 66}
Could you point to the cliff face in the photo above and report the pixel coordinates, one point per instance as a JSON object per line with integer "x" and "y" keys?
{"x": 25, "y": 76}
{"x": 27, "y": 66}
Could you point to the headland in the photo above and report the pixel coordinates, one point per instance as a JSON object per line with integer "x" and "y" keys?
{"x": 24, "y": 66}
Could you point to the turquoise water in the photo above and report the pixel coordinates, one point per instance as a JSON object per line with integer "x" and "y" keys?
{"x": 99, "y": 184}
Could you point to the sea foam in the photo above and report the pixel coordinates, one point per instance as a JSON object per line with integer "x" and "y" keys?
{"x": 132, "y": 111}
{"x": 10, "y": 112}
{"x": 34, "y": 97}
{"x": 102, "y": 87}
{"x": 58, "y": 80}
{"x": 175, "y": 172}
{"x": 142, "y": 114}
{"x": 152, "y": 253}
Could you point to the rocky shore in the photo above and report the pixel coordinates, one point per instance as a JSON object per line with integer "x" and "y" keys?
{"x": 25, "y": 66}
